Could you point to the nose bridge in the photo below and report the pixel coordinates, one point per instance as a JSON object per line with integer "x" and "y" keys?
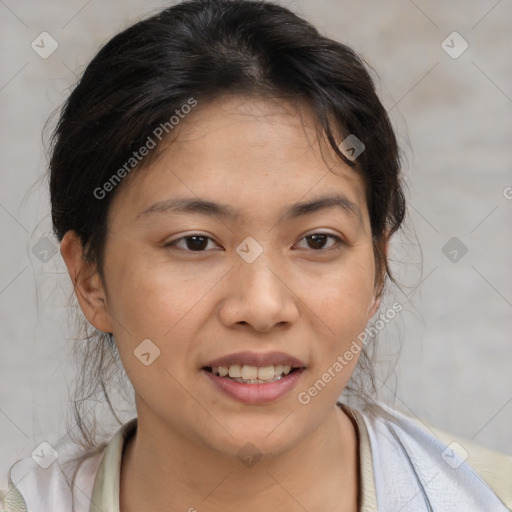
{"x": 258, "y": 292}
{"x": 258, "y": 269}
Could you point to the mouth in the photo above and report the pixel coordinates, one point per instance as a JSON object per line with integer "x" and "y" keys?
{"x": 255, "y": 378}
{"x": 249, "y": 374}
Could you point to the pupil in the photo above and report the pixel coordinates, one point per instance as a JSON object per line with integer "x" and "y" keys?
{"x": 318, "y": 239}
{"x": 198, "y": 242}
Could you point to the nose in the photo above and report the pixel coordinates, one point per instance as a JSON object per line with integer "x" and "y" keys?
{"x": 259, "y": 295}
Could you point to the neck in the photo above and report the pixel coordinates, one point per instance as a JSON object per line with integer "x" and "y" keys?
{"x": 320, "y": 474}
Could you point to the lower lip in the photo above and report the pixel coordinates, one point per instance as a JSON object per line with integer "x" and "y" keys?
{"x": 256, "y": 393}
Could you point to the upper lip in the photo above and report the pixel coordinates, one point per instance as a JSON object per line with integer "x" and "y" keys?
{"x": 256, "y": 359}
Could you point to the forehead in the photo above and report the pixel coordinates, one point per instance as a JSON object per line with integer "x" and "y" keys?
{"x": 243, "y": 150}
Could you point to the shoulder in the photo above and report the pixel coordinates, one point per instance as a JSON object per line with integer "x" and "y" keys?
{"x": 46, "y": 484}
{"x": 417, "y": 462}
{"x": 65, "y": 478}
{"x": 493, "y": 467}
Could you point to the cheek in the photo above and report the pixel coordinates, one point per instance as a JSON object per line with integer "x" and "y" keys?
{"x": 154, "y": 299}
{"x": 344, "y": 297}
{"x": 148, "y": 295}
{"x": 341, "y": 305}
{"x": 150, "y": 301}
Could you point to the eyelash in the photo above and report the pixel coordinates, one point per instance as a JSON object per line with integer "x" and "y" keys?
{"x": 339, "y": 241}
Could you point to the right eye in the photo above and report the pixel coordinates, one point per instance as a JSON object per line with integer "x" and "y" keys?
{"x": 193, "y": 243}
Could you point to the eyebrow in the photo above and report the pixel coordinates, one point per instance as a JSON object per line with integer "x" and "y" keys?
{"x": 219, "y": 210}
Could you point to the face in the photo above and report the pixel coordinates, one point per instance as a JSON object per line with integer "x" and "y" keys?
{"x": 255, "y": 282}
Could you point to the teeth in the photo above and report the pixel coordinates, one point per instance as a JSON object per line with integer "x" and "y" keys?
{"x": 252, "y": 374}
{"x": 266, "y": 372}
{"x": 235, "y": 371}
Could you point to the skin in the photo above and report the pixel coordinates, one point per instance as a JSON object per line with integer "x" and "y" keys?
{"x": 310, "y": 301}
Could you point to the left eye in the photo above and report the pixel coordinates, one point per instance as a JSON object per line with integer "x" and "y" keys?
{"x": 318, "y": 239}
{"x": 198, "y": 243}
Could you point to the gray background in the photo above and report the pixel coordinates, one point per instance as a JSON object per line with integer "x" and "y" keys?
{"x": 453, "y": 117}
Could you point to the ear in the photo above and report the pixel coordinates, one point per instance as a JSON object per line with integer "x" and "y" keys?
{"x": 87, "y": 283}
{"x": 380, "y": 277}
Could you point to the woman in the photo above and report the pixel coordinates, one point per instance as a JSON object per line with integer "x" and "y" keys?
{"x": 224, "y": 184}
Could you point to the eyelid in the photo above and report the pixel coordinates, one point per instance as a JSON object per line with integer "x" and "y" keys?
{"x": 339, "y": 240}
{"x": 172, "y": 243}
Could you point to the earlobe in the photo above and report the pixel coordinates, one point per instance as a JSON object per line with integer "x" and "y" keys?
{"x": 87, "y": 283}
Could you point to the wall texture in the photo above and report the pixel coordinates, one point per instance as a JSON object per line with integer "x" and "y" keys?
{"x": 445, "y": 76}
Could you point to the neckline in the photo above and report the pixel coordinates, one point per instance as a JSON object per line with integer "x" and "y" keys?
{"x": 106, "y": 490}
{"x": 367, "y": 490}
